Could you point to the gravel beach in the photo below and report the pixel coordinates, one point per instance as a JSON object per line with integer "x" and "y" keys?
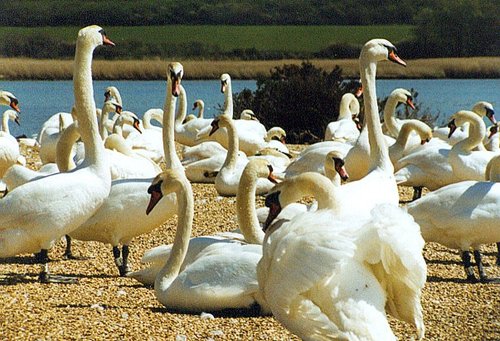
{"x": 105, "y": 306}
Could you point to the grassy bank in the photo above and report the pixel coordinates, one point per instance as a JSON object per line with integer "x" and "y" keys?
{"x": 36, "y": 69}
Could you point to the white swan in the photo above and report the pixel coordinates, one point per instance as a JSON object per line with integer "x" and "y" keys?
{"x": 211, "y": 273}
{"x": 276, "y": 138}
{"x": 9, "y": 147}
{"x": 344, "y": 129}
{"x": 112, "y": 92}
{"x": 492, "y": 140}
{"x": 461, "y": 216}
{"x": 481, "y": 108}
{"x": 357, "y": 159}
{"x": 104, "y": 121}
{"x": 148, "y": 143}
{"x": 7, "y": 98}
{"x": 31, "y": 223}
{"x": 466, "y": 163}
{"x": 393, "y": 125}
{"x": 251, "y": 134}
{"x": 403, "y": 146}
{"x": 375, "y": 265}
{"x": 50, "y": 132}
{"x": 228, "y": 177}
{"x": 122, "y": 216}
{"x": 200, "y": 105}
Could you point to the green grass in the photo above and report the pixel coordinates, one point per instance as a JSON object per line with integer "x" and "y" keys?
{"x": 264, "y": 38}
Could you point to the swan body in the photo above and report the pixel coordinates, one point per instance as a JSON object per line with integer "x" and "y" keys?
{"x": 31, "y": 223}
{"x": 186, "y": 132}
{"x": 9, "y": 147}
{"x": 149, "y": 142}
{"x": 466, "y": 163}
{"x": 462, "y": 215}
{"x": 374, "y": 267}
{"x": 211, "y": 273}
{"x": 49, "y": 135}
{"x": 403, "y": 146}
{"x": 344, "y": 129}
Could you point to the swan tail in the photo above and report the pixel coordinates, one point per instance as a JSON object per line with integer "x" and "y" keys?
{"x": 396, "y": 258}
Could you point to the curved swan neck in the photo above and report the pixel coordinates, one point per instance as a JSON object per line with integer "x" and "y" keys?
{"x": 104, "y": 118}
{"x": 345, "y": 112}
{"x": 171, "y": 158}
{"x": 233, "y": 145}
{"x": 477, "y": 130}
{"x": 185, "y": 214}
{"x": 379, "y": 152}
{"x": 245, "y": 207}
{"x": 182, "y": 109}
{"x": 64, "y": 147}
{"x": 117, "y": 142}
{"x": 5, "y": 122}
{"x": 389, "y": 119}
{"x": 201, "y": 106}
{"x": 333, "y": 175}
{"x": 316, "y": 185}
{"x": 84, "y": 103}
{"x": 404, "y": 133}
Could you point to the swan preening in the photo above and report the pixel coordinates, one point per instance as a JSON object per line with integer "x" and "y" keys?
{"x": 31, "y": 223}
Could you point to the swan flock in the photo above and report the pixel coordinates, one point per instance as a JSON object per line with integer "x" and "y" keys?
{"x": 111, "y": 176}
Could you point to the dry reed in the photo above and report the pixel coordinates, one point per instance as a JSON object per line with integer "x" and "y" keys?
{"x": 35, "y": 69}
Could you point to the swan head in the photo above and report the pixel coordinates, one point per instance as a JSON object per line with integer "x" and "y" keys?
{"x": 403, "y": 96}
{"x": 128, "y": 117}
{"x": 7, "y": 98}
{"x": 94, "y": 35}
{"x": 174, "y": 76}
{"x": 277, "y": 133}
{"x": 248, "y": 114}
{"x": 112, "y": 106}
{"x": 12, "y": 115}
{"x": 225, "y": 80}
{"x": 198, "y": 104}
{"x": 219, "y": 122}
{"x": 483, "y": 108}
{"x": 164, "y": 183}
{"x": 380, "y": 49}
{"x": 461, "y": 117}
{"x": 111, "y": 92}
{"x": 259, "y": 168}
{"x": 335, "y": 160}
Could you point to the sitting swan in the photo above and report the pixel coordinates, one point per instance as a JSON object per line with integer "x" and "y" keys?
{"x": 210, "y": 273}
{"x": 466, "y": 163}
{"x": 375, "y": 265}
{"x": 344, "y": 129}
{"x": 461, "y": 216}
{"x": 31, "y": 223}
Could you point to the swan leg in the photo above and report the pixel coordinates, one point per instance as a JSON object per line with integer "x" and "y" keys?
{"x": 124, "y": 269}
{"x": 498, "y": 253}
{"x": 469, "y": 270}
{"x": 417, "y": 192}
{"x": 482, "y": 275}
{"x": 42, "y": 257}
{"x": 68, "y": 254}
{"x": 118, "y": 258}
{"x": 46, "y": 277}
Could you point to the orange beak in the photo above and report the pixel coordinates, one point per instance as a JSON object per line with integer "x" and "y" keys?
{"x": 393, "y": 57}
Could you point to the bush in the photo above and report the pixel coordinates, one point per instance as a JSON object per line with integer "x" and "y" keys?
{"x": 300, "y": 99}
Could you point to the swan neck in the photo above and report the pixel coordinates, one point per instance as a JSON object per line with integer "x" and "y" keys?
{"x": 102, "y": 122}
{"x": 404, "y": 134}
{"x": 182, "y": 109}
{"x": 476, "y": 136}
{"x": 389, "y": 119}
{"x": 185, "y": 214}
{"x": 379, "y": 152}
{"x": 345, "y": 112}
{"x": 333, "y": 175}
{"x": 228, "y": 101}
{"x": 64, "y": 148}
{"x": 85, "y": 105}
{"x": 245, "y": 209}
{"x": 171, "y": 158}
{"x": 202, "y": 110}
{"x": 5, "y": 123}
{"x": 232, "y": 147}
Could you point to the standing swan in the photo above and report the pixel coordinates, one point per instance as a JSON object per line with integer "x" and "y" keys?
{"x": 29, "y": 220}
{"x": 344, "y": 129}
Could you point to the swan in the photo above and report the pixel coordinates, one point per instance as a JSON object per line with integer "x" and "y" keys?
{"x": 375, "y": 265}
{"x": 9, "y": 147}
{"x": 481, "y": 108}
{"x": 466, "y": 163}
{"x": 393, "y": 125}
{"x": 200, "y": 105}
{"x": 50, "y": 132}
{"x": 211, "y": 273}
{"x": 109, "y": 106}
{"x": 112, "y": 92}
{"x": 153, "y": 114}
{"x": 8, "y": 99}
{"x": 251, "y": 134}
{"x": 228, "y": 177}
{"x": 461, "y": 216}
{"x": 276, "y": 158}
{"x": 186, "y": 133}
{"x": 31, "y": 223}
{"x": 492, "y": 141}
{"x": 122, "y": 217}
{"x": 344, "y": 129}
{"x": 249, "y": 115}
{"x": 357, "y": 158}
{"x": 402, "y": 146}
{"x": 148, "y": 143}
{"x": 276, "y": 138}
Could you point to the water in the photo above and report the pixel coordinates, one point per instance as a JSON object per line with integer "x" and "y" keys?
{"x": 41, "y": 99}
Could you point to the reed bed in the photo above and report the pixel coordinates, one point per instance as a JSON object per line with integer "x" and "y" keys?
{"x": 154, "y": 69}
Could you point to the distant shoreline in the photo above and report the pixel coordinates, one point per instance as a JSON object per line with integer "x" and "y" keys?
{"x": 439, "y": 68}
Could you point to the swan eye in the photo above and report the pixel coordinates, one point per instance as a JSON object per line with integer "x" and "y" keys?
{"x": 338, "y": 162}
{"x": 270, "y": 168}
